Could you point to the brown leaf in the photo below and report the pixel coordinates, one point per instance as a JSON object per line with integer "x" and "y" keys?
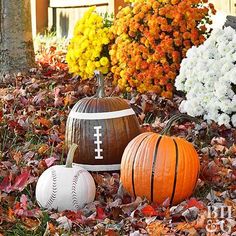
{"x": 8, "y": 97}
{"x": 218, "y": 140}
{"x": 131, "y": 206}
{"x": 17, "y": 156}
{"x": 220, "y": 148}
{"x": 157, "y": 229}
{"x": 191, "y": 214}
{"x": 111, "y": 232}
{"x": 44, "y": 122}
{"x": 68, "y": 100}
{"x": 43, "y": 148}
{"x": 200, "y": 223}
{"x": 31, "y": 223}
{"x": 232, "y": 149}
{"x": 184, "y": 226}
{"x": 10, "y": 215}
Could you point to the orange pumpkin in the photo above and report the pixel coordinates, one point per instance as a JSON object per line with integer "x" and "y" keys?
{"x": 160, "y": 167}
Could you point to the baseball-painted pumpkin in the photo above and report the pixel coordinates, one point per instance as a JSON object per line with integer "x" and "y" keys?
{"x": 102, "y": 127}
{"x": 65, "y": 187}
{"x": 160, "y": 167}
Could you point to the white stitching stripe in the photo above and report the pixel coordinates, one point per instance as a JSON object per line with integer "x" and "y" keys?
{"x": 101, "y": 167}
{"x": 54, "y": 189}
{"x": 101, "y": 115}
{"x": 98, "y": 142}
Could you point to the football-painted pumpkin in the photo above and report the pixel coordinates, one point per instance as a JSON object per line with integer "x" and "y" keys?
{"x": 102, "y": 127}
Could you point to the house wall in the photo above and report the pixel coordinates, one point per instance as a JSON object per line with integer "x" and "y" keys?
{"x": 226, "y": 6}
{"x": 39, "y": 16}
{"x": 64, "y": 14}
{"x": 61, "y": 15}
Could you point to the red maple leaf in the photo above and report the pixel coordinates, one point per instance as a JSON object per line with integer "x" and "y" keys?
{"x": 1, "y": 116}
{"x": 148, "y": 210}
{"x": 21, "y": 181}
{"x": 193, "y": 202}
{"x": 6, "y": 184}
{"x": 100, "y": 213}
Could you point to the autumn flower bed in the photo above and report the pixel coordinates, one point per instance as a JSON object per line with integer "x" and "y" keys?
{"x": 33, "y": 114}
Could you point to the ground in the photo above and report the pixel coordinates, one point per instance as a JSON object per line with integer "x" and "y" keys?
{"x": 32, "y": 121}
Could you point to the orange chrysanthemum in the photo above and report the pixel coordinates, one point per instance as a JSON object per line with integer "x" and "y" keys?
{"x": 151, "y": 37}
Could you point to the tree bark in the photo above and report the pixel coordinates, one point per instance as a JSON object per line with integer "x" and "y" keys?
{"x": 16, "y": 44}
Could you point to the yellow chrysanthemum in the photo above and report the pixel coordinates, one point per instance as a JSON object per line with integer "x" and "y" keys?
{"x": 87, "y": 45}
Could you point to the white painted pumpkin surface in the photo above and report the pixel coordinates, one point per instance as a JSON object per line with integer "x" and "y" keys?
{"x": 65, "y": 188}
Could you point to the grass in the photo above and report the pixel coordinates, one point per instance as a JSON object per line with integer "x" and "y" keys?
{"x": 19, "y": 229}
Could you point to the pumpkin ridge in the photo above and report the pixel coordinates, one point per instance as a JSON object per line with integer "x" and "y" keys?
{"x": 153, "y": 165}
{"x": 81, "y": 107}
{"x": 176, "y": 171}
{"x": 133, "y": 164}
{"x": 194, "y": 152}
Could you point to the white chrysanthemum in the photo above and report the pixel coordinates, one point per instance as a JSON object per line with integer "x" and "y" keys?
{"x": 233, "y": 120}
{"x": 180, "y": 83}
{"x": 224, "y": 119}
{"x": 227, "y": 67}
{"x": 226, "y": 106}
{"x": 229, "y": 33}
{"x": 192, "y": 52}
{"x": 208, "y": 75}
{"x": 220, "y": 90}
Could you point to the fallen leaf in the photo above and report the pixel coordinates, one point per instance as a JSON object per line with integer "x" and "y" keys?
{"x": 128, "y": 208}
{"x": 43, "y": 148}
{"x": 218, "y": 140}
{"x": 111, "y": 232}
{"x": 21, "y": 181}
{"x": 157, "y": 228}
{"x": 10, "y": 215}
{"x": 31, "y": 224}
{"x": 148, "y": 210}
{"x": 17, "y": 157}
{"x": 6, "y": 184}
{"x": 50, "y": 161}
{"x": 100, "y": 213}
{"x": 191, "y": 214}
{"x": 193, "y": 202}
{"x": 64, "y": 223}
{"x": 44, "y": 122}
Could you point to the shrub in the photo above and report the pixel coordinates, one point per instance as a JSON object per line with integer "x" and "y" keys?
{"x": 208, "y": 76}
{"x": 88, "y": 49}
{"x": 151, "y": 38}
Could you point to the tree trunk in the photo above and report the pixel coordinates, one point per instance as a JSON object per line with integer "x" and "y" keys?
{"x": 16, "y": 44}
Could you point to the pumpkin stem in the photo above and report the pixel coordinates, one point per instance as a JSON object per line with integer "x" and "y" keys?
{"x": 176, "y": 118}
{"x": 100, "y": 91}
{"x": 70, "y": 155}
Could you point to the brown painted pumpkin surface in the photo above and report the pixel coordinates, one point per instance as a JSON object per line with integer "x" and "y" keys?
{"x": 160, "y": 167}
{"x": 102, "y": 127}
